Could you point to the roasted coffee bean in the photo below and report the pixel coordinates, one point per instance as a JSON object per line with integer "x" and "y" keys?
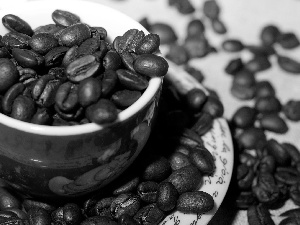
{"x": 213, "y": 106}
{"x": 244, "y": 200}
{"x": 258, "y": 64}
{"x": 244, "y": 117}
{"x": 8, "y": 200}
{"x": 265, "y": 189}
{"x": 244, "y": 78}
{"x": 42, "y": 43}
{"x": 147, "y": 191}
{"x": 125, "y": 98}
{"x": 15, "y": 40}
{"x": 112, "y": 60}
{"x": 252, "y": 138}
{"x": 11, "y": 94}
{"x": 43, "y": 116}
{"x": 27, "y": 76}
{"x": 242, "y": 92}
{"x": 27, "y": 58}
{"x": 74, "y": 35}
{"x": 89, "y": 91}
{"x": 269, "y": 34}
{"x": 165, "y": 32}
{"x": 94, "y": 220}
{"x": 48, "y": 28}
{"x": 295, "y": 193}
{"x": 167, "y": 196}
{"x": 184, "y": 6}
{"x": 293, "y": 151}
{"x": 195, "y": 99}
{"x": 203, "y": 160}
{"x": 103, "y": 49}
{"x": 129, "y": 186}
{"x": 261, "y": 50}
{"x": 178, "y": 54}
{"x": 64, "y": 18}
{"x": 55, "y": 56}
{"x": 9, "y": 74}
{"x": 195, "y": 202}
{"x": 129, "y": 40}
{"x": 195, "y": 27}
{"x": 211, "y": 9}
{"x": 15, "y": 23}
{"x": 234, "y": 65}
{"x": 204, "y": 122}
{"x": 151, "y": 65}
{"x": 70, "y": 56}
{"x": 218, "y": 26}
{"x": 4, "y": 52}
{"x": 287, "y": 175}
{"x": 131, "y": 80}
{"x": 125, "y": 204}
{"x": 69, "y": 213}
{"x": 149, "y": 214}
{"x": 268, "y": 104}
{"x": 44, "y": 90}
{"x": 99, "y": 33}
{"x": 194, "y": 72}
{"x": 290, "y": 221}
{"x": 38, "y": 216}
{"x": 101, "y": 207}
{"x": 288, "y": 40}
{"x": 149, "y": 44}
{"x": 109, "y": 82}
{"x": 23, "y": 108}
{"x": 186, "y": 179}
{"x": 232, "y": 45}
{"x": 157, "y": 169}
{"x": 247, "y": 159}
{"x": 274, "y": 123}
{"x": 88, "y": 47}
{"x": 259, "y": 215}
{"x": 6, "y": 216}
{"x": 66, "y": 97}
{"x": 291, "y": 213}
{"x": 71, "y": 117}
{"x": 245, "y": 176}
{"x": 179, "y": 160}
{"x": 82, "y": 68}
{"x": 125, "y": 219}
{"x": 29, "y": 203}
{"x": 267, "y": 164}
{"x": 291, "y": 110}
{"x": 288, "y": 64}
{"x": 264, "y": 88}
{"x": 196, "y": 47}
{"x": 127, "y": 60}
{"x": 103, "y": 111}
{"x": 280, "y": 154}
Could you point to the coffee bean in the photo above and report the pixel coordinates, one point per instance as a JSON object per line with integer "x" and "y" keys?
{"x": 218, "y": 26}
{"x": 66, "y": 97}
{"x": 258, "y": 64}
{"x": 295, "y": 193}
{"x": 245, "y": 200}
{"x": 269, "y": 34}
{"x": 178, "y": 54}
{"x": 105, "y": 220}
{"x": 245, "y": 176}
{"x": 129, "y": 186}
{"x": 64, "y": 18}
{"x": 288, "y": 40}
{"x": 42, "y": 43}
{"x": 9, "y": 74}
{"x": 204, "y": 122}
{"x": 82, "y": 68}
{"x": 244, "y": 117}
{"x": 125, "y": 98}
{"x": 157, "y": 169}
{"x": 259, "y": 215}
{"x": 196, "y": 47}
{"x": 268, "y": 104}
{"x": 23, "y": 108}
{"x": 125, "y": 204}
{"x": 15, "y": 23}
{"x": 27, "y": 58}
{"x": 267, "y": 164}
{"x": 291, "y": 110}
{"x": 264, "y": 88}
{"x": 167, "y": 196}
{"x": 203, "y": 160}
{"x": 151, "y": 65}
{"x": 131, "y": 80}
{"x": 103, "y": 111}
{"x": 11, "y": 94}
{"x": 39, "y": 216}
{"x": 89, "y": 46}
{"x": 185, "y": 179}
{"x": 165, "y": 32}
{"x": 43, "y": 116}
{"x": 101, "y": 207}
{"x": 109, "y": 82}
{"x": 234, "y": 66}
{"x": 214, "y": 107}
{"x": 89, "y": 91}
{"x": 287, "y": 175}
{"x": 211, "y": 9}
{"x": 48, "y": 28}
{"x": 280, "y": 154}
{"x": 55, "y": 56}
{"x": 195, "y": 99}
{"x": 16, "y": 40}
{"x": 125, "y": 219}
{"x": 252, "y": 138}
{"x": 195, "y": 202}
{"x": 274, "y": 123}
{"x": 74, "y": 35}
{"x": 147, "y": 191}
{"x": 288, "y": 64}
{"x": 8, "y": 200}
{"x": 112, "y": 60}
{"x": 195, "y": 27}
{"x": 149, "y": 214}
{"x": 232, "y": 45}
{"x": 293, "y": 151}
{"x": 149, "y": 44}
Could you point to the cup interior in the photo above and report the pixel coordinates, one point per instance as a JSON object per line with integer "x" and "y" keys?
{"x": 38, "y": 13}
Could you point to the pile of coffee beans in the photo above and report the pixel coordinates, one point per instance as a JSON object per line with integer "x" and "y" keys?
{"x": 69, "y": 73}
{"x": 267, "y": 171}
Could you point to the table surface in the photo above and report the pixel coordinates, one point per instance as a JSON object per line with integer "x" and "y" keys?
{"x": 244, "y": 20}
